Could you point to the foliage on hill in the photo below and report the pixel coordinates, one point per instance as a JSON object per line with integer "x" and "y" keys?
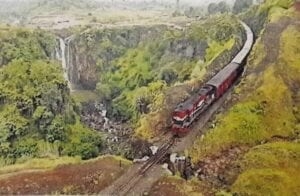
{"x": 22, "y": 44}
{"x": 241, "y": 5}
{"x": 36, "y": 110}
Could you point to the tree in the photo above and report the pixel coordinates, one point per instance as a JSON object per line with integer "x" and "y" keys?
{"x": 212, "y": 8}
{"x": 168, "y": 75}
{"x": 240, "y": 5}
{"x": 104, "y": 91}
{"x": 177, "y": 4}
{"x": 223, "y": 7}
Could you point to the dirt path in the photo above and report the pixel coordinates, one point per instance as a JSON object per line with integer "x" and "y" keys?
{"x": 271, "y": 42}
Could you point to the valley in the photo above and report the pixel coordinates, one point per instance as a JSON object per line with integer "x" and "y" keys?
{"x": 88, "y": 91}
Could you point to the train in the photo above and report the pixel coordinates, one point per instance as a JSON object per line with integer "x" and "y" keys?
{"x": 188, "y": 111}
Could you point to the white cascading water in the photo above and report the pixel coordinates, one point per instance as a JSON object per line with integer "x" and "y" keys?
{"x": 64, "y": 62}
{"x": 57, "y": 54}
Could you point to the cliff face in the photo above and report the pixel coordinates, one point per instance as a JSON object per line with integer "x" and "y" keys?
{"x": 92, "y": 52}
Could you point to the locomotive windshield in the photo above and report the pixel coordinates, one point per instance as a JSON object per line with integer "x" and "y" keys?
{"x": 177, "y": 122}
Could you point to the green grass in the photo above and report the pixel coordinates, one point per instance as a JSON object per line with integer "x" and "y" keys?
{"x": 259, "y": 50}
{"x": 265, "y": 182}
{"x": 279, "y": 155}
{"x": 280, "y": 3}
{"x": 277, "y": 4}
{"x": 216, "y": 48}
{"x": 51, "y": 163}
{"x": 278, "y": 12}
{"x": 290, "y": 51}
{"x": 39, "y": 163}
{"x": 270, "y": 169}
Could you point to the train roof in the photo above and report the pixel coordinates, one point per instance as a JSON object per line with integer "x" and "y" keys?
{"x": 189, "y": 103}
{"x": 220, "y": 77}
{"x": 247, "y": 45}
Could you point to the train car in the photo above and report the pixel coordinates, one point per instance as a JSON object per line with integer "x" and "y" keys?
{"x": 225, "y": 78}
{"x": 186, "y": 112}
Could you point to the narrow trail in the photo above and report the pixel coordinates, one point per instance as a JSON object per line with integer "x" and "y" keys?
{"x": 271, "y": 41}
{"x": 16, "y": 173}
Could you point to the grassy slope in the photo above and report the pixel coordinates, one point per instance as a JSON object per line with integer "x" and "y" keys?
{"x": 269, "y": 106}
{"x": 50, "y": 163}
{"x": 252, "y": 119}
{"x": 272, "y": 168}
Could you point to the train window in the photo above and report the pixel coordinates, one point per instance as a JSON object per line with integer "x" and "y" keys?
{"x": 177, "y": 122}
{"x": 213, "y": 96}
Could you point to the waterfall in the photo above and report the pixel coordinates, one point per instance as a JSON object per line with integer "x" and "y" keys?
{"x": 57, "y": 54}
{"x": 64, "y": 61}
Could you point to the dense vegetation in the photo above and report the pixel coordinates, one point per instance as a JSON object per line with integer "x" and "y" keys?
{"x": 37, "y": 116}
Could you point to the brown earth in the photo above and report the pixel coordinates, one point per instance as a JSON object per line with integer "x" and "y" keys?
{"x": 173, "y": 186}
{"x": 297, "y": 6}
{"x": 271, "y": 42}
{"x": 221, "y": 169}
{"x": 87, "y": 178}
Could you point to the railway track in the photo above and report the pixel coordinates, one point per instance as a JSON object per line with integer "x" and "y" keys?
{"x": 124, "y": 188}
